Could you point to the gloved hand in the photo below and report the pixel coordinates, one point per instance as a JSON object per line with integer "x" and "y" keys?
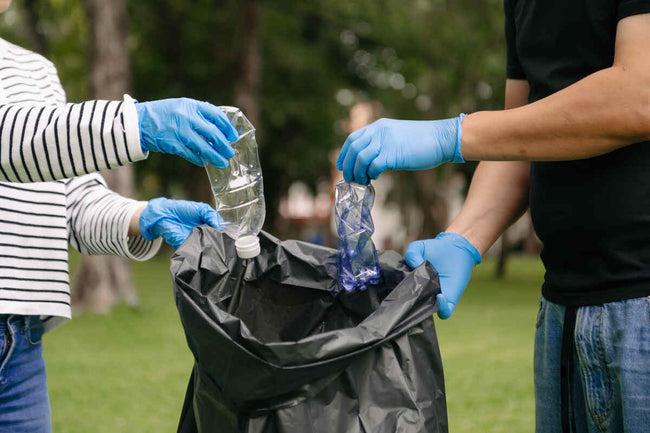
{"x": 196, "y": 131}
{"x": 390, "y": 144}
{"x": 454, "y": 258}
{"x": 175, "y": 219}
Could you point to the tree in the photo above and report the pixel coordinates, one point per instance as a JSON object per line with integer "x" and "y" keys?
{"x": 34, "y": 27}
{"x": 250, "y": 62}
{"x": 104, "y": 281}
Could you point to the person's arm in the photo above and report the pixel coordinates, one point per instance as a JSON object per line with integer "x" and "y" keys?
{"x": 172, "y": 220}
{"x": 98, "y": 220}
{"x": 601, "y": 113}
{"x": 50, "y": 142}
{"x": 40, "y": 142}
{"x": 498, "y": 194}
{"x": 102, "y": 222}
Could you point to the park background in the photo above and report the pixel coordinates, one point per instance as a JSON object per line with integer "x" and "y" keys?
{"x": 306, "y": 73}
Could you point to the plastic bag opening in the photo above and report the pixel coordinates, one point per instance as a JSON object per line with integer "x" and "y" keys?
{"x": 275, "y": 312}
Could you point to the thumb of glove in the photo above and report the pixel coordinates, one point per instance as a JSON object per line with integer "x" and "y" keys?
{"x": 174, "y": 234}
{"x": 211, "y": 217}
{"x": 414, "y": 255}
{"x": 445, "y": 308}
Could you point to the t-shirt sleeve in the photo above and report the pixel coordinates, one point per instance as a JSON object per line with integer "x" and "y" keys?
{"x": 628, "y": 8}
{"x": 513, "y": 66}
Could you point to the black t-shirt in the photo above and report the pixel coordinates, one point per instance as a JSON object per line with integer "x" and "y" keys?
{"x": 592, "y": 215}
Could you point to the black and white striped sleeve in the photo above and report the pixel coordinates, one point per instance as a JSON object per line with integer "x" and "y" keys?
{"x": 98, "y": 220}
{"x": 49, "y": 142}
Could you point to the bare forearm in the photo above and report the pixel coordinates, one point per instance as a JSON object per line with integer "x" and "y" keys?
{"x": 497, "y": 197}
{"x": 596, "y": 115}
{"x": 601, "y": 113}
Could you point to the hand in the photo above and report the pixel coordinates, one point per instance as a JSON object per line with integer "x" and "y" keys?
{"x": 454, "y": 258}
{"x": 389, "y": 144}
{"x": 175, "y": 219}
{"x": 196, "y": 131}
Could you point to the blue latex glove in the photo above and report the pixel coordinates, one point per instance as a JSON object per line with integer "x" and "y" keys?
{"x": 390, "y": 144}
{"x": 196, "y": 131}
{"x": 454, "y": 258}
{"x": 175, "y": 219}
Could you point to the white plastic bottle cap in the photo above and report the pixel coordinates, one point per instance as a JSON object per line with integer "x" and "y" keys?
{"x": 248, "y": 247}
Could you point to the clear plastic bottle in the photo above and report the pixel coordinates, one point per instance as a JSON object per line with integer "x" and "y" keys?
{"x": 358, "y": 265}
{"x": 238, "y": 189}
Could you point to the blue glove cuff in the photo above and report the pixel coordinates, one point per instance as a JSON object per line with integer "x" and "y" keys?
{"x": 139, "y": 108}
{"x": 458, "y": 154}
{"x": 149, "y": 219}
{"x": 462, "y": 243}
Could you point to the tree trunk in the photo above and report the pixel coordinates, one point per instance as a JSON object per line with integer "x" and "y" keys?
{"x": 246, "y": 87}
{"x": 33, "y": 27}
{"x": 104, "y": 281}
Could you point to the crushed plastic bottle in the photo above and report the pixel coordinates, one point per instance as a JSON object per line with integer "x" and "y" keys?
{"x": 238, "y": 189}
{"x": 358, "y": 266}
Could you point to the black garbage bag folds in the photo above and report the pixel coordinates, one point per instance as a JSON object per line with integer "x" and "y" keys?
{"x": 278, "y": 348}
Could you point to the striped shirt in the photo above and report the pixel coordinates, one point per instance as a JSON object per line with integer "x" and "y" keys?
{"x": 50, "y": 193}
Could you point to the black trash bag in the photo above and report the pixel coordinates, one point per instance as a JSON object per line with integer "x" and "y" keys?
{"x": 278, "y": 349}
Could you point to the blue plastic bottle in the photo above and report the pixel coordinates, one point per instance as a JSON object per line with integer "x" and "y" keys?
{"x": 358, "y": 265}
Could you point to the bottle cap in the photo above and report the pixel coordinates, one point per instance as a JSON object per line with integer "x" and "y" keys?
{"x": 248, "y": 247}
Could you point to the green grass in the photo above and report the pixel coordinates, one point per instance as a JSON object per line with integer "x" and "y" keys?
{"x": 487, "y": 350}
{"x": 122, "y": 372}
{"x": 127, "y": 371}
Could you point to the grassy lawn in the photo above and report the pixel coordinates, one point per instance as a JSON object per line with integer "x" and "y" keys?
{"x": 487, "y": 350}
{"x": 127, "y": 371}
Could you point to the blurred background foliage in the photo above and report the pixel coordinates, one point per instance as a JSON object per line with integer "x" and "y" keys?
{"x": 418, "y": 59}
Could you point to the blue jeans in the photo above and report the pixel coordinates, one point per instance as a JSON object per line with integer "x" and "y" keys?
{"x": 24, "y": 404}
{"x": 611, "y": 386}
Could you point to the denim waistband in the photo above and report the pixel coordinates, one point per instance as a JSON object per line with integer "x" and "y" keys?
{"x": 16, "y": 321}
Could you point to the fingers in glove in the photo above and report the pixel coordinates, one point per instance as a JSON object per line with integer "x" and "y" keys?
{"x": 213, "y": 135}
{"x": 364, "y": 159}
{"x": 414, "y": 255}
{"x": 346, "y": 146}
{"x": 217, "y": 117}
{"x": 198, "y": 145}
{"x": 377, "y": 166}
{"x": 184, "y": 152}
{"x": 174, "y": 234}
{"x": 211, "y": 217}
{"x": 445, "y": 308}
{"x": 351, "y": 157}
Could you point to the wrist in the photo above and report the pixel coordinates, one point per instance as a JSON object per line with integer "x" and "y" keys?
{"x": 461, "y": 242}
{"x": 470, "y": 235}
{"x": 140, "y": 109}
{"x": 477, "y": 129}
{"x": 134, "y": 223}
